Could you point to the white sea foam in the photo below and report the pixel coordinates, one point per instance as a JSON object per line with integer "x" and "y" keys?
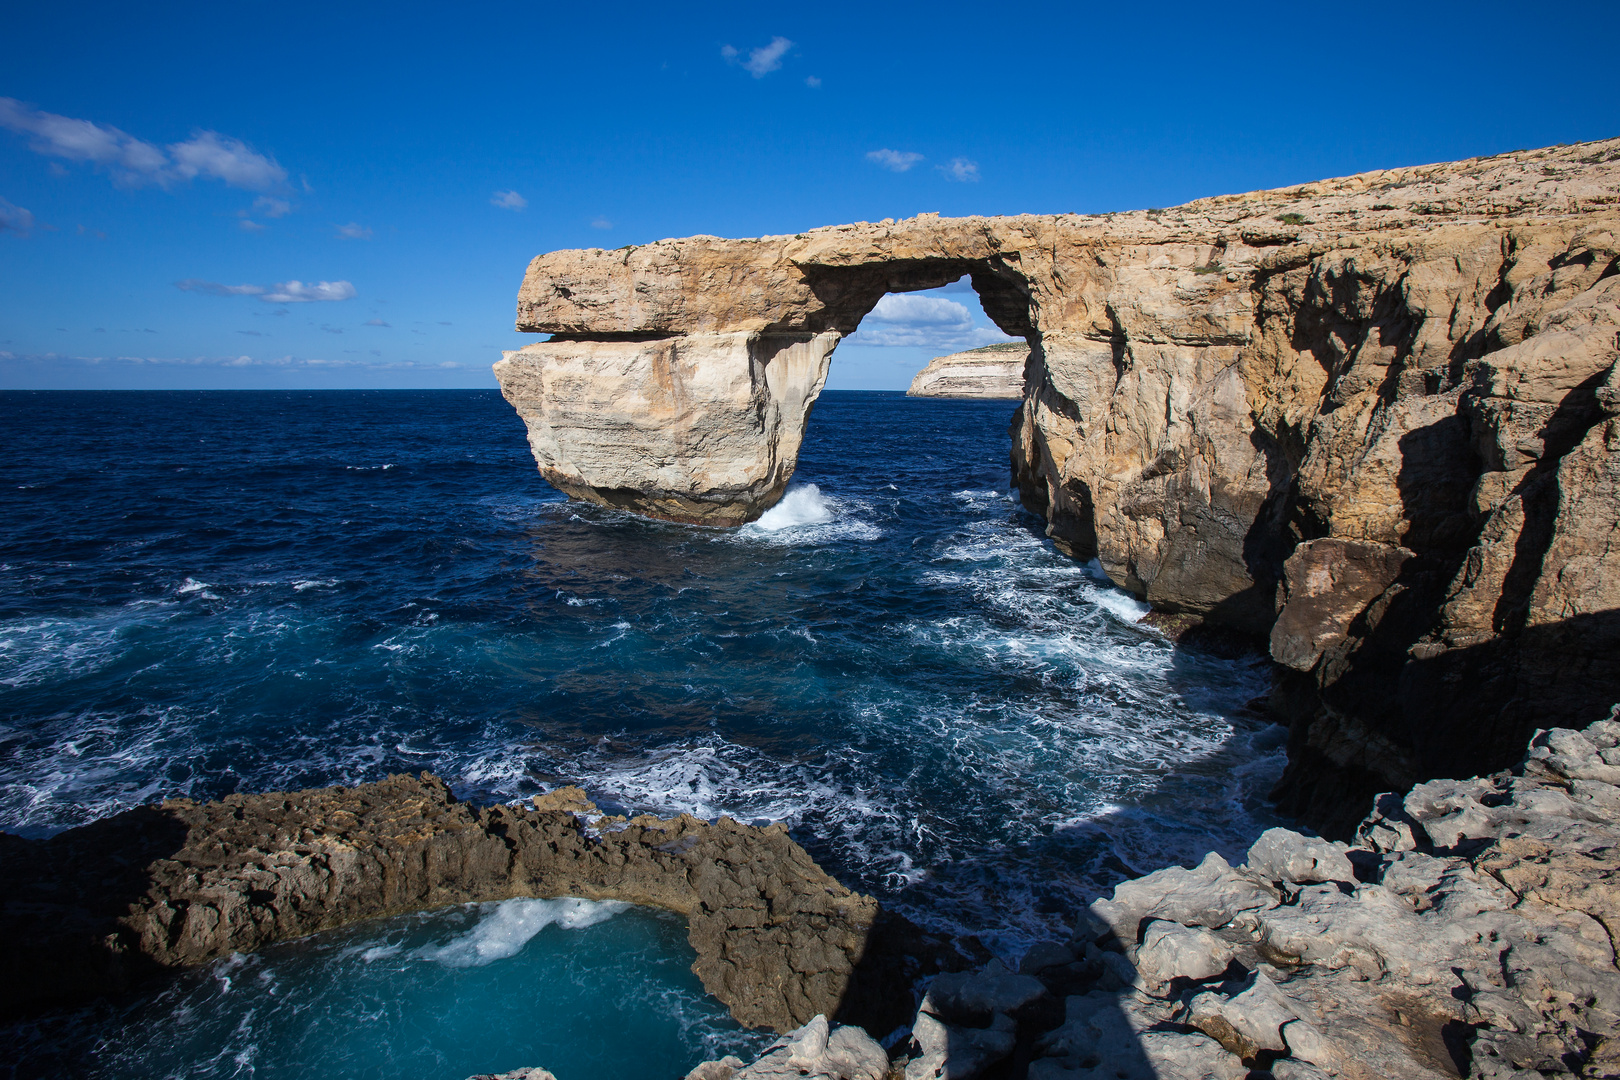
{"x": 800, "y": 506}
{"x": 509, "y": 925}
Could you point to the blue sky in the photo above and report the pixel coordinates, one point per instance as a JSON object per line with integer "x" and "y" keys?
{"x": 224, "y": 195}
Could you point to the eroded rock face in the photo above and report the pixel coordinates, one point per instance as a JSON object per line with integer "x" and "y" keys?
{"x": 700, "y": 428}
{"x": 1413, "y": 369}
{"x": 93, "y": 909}
{"x": 995, "y": 371}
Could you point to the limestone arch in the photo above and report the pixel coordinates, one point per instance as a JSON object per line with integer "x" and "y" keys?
{"x": 678, "y": 386}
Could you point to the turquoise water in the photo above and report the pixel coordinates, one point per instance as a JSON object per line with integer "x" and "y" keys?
{"x": 210, "y": 592}
{"x": 587, "y": 990}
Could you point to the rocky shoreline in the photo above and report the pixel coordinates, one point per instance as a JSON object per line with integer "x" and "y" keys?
{"x": 96, "y": 909}
{"x": 1468, "y": 932}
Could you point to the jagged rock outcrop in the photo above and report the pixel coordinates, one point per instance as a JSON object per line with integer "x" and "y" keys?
{"x": 995, "y": 371}
{"x": 93, "y": 909}
{"x": 1469, "y": 932}
{"x": 1410, "y": 372}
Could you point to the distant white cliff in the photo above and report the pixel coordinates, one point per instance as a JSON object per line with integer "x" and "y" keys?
{"x": 995, "y": 371}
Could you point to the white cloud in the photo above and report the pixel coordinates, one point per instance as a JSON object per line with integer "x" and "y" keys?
{"x": 285, "y": 292}
{"x": 931, "y": 322}
{"x": 894, "y": 160}
{"x": 375, "y": 322}
{"x": 271, "y": 207}
{"x": 508, "y": 200}
{"x": 813, "y": 82}
{"x": 14, "y": 218}
{"x": 961, "y": 169}
{"x": 220, "y": 157}
{"x": 601, "y": 223}
{"x": 761, "y": 61}
{"x": 134, "y": 162}
{"x": 249, "y": 226}
{"x": 353, "y": 231}
{"x": 296, "y": 292}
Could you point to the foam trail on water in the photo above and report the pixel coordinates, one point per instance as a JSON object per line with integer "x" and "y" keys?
{"x": 512, "y": 924}
{"x": 800, "y": 506}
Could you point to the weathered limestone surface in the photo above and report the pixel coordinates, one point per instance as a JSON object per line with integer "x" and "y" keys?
{"x": 1410, "y": 372}
{"x": 701, "y": 428}
{"x": 93, "y": 909}
{"x": 995, "y": 371}
{"x": 1469, "y": 932}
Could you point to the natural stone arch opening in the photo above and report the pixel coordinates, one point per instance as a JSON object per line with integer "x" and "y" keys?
{"x": 679, "y": 387}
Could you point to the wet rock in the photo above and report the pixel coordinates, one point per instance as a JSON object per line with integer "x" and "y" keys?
{"x": 534, "y": 1074}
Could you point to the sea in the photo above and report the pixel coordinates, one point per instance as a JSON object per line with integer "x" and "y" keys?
{"x": 210, "y": 592}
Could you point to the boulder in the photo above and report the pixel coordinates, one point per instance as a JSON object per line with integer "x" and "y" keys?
{"x": 1284, "y": 855}
{"x": 1171, "y": 951}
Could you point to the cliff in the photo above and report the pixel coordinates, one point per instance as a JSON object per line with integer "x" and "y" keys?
{"x": 1371, "y": 419}
{"x": 995, "y": 371}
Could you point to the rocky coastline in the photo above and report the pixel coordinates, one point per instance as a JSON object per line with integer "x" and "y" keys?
{"x": 97, "y": 909}
{"x": 1372, "y": 422}
{"x": 1469, "y": 931}
{"x": 994, "y": 371}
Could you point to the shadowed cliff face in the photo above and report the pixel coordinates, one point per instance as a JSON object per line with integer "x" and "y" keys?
{"x": 1410, "y": 373}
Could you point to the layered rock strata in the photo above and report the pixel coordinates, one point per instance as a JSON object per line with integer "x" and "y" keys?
{"x": 995, "y": 371}
{"x": 1373, "y": 418}
{"x": 1469, "y": 932}
{"x": 94, "y": 909}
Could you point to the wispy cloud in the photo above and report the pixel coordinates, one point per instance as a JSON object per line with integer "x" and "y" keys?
{"x": 247, "y": 225}
{"x": 925, "y": 322}
{"x": 508, "y": 200}
{"x": 601, "y": 223}
{"x": 285, "y": 292}
{"x": 135, "y": 162}
{"x": 813, "y": 82}
{"x": 14, "y": 218}
{"x": 271, "y": 207}
{"x": 761, "y": 61}
{"x": 353, "y": 231}
{"x": 893, "y": 160}
{"x": 961, "y": 169}
{"x": 375, "y": 322}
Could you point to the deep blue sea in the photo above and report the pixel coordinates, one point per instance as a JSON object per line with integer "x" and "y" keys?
{"x": 207, "y": 592}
